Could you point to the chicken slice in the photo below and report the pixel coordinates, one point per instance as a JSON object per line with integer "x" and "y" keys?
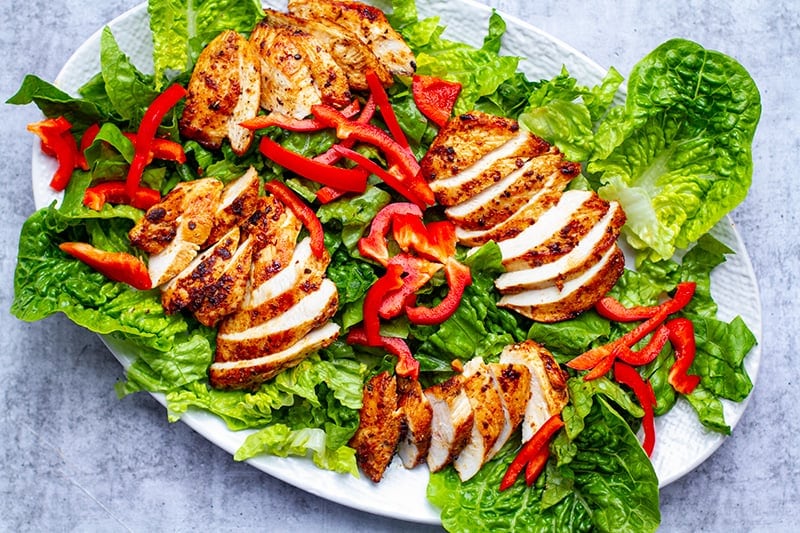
{"x": 282, "y": 330}
{"x": 275, "y": 229}
{"x": 369, "y": 24}
{"x": 548, "y": 384}
{"x": 554, "y": 304}
{"x": 239, "y": 200}
{"x": 488, "y": 418}
{"x": 250, "y": 373}
{"x": 173, "y": 230}
{"x": 451, "y": 423}
{"x": 548, "y": 172}
{"x": 590, "y": 249}
{"x": 296, "y": 72}
{"x": 224, "y": 90}
{"x": 378, "y": 430}
{"x": 513, "y": 381}
{"x": 353, "y": 56}
{"x": 415, "y": 438}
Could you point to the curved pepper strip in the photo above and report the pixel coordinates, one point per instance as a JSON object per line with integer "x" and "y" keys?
{"x": 529, "y": 450}
{"x": 534, "y": 468}
{"x": 649, "y": 352}
{"x": 382, "y": 101}
{"x": 162, "y": 149}
{"x": 458, "y": 278}
{"x": 148, "y": 128}
{"x": 306, "y": 215}
{"x": 374, "y": 245}
{"x": 331, "y": 156}
{"x": 390, "y": 281}
{"x": 436, "y": 241}
{"x": 611, "y": 308}
{"x": 407, "y": 366}
{"x": 116, "y": 266}
{"x": 57, "y": 141}
{"x": 116, "y": 192}
{"x": 681, "y": 335}
{"x": 627, "y": 375}
{"x": 418, "y": 272}
{"x": 343, "y": 179}
{"x": 286, "y": 122}
{"x": 435, "y": 97}
{"x": 86, "y": 141}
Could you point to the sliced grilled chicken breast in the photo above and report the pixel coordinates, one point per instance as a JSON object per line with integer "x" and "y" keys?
{"x": 347, "y": 50}
{"x": 296, "y": 72}
{"x": 451, "y": 424}
{"x": 224, "y": 90}
{"x": 553, "y": 303}
{"x": 415, "y": 438}
{"x": 378, "y": 430}
{"x": 548, "y": 386}
{"x": 488, "y": 418}
{"x": 368, "y": 23}
{"x": 282, "y": 330}
{"x": 275, "y": 229}
{"x": 239, "y": 200}
{"x": 513, "y": 381}
{"x": 249, "y": 373}
{"x": 590, "y": 250}
{"x": 534, "y": 181}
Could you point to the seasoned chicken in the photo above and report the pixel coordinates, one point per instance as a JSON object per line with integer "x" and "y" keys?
{"x": 368, "y": 23}
{"x": 250, "y": 373}
{"x": 533, "y": 183}
{"x": 173, "y": 230}
{"x": 378, "y": 431}
{"x": 554, "y": 303}
{"x": 488, "y": 418}
{"x": 548, "y": 386}
{"x": 513, "y": 384}
{"x": 224, "y": 90}
{"x": 451, "y": 425}
{"x": 238, "y": 202}
{"x": 347, "y": 50}
{"x": 296, "y": 71}
{"x": 280, "y": 331}
{"x": 415, "y": 438}
{"x": 275, "y": 229}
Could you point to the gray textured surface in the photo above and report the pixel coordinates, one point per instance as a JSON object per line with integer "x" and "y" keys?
{"x": 73, "y": 457}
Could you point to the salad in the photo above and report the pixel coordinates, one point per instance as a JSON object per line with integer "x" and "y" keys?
{"x": 677, "y": 165}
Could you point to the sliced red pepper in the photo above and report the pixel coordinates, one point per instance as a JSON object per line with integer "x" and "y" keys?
{"x": 681, "y": 335}
{"x": 683, "y": 295}
{"x": 116, "y": 266}
{"x": 86, "y": 141}
{"x": 418, "y": 272}
{"x": 57, "y": 141}
{"x": 534, "y": 468}
{"x": 435, "y": 97}
{"x": 436, "y": 241}
{"x": 148, "y": 128}
{"x": 374, "y": 245}
{"x": 458, "y": 278}
{"x": 649, "y": 352}
{"x": 116, "y": 192}
{"x": 162, "y": 149}
{"x": 303, "y": 212}
{"x": 390, "y": 281}
{"x": 407, "y": 365}
{"x": 326, "y": 194}
{"x": 531, "y": 449}
{"x": 343, "y": 179}
{"x": 294, "y": 124}
{"x": 382, "y": 100}
{"x": 611, "y": 308}
{"x": 627, "y": 375}
{"x": 331, "y": 156}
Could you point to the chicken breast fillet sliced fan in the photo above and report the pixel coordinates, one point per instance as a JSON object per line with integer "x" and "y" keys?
{"x": 513, "y": 383}
{"x": 367, "y": 22}
{"x": 224, "y": 90}
{"x": 415, "y": 437}
{"x": 275, "y": 229}
{"x": 238, "y": 201}
{"x": 378, "y": 431}
{"x": 451, "y": 424}
{"x": 250, "y": 373}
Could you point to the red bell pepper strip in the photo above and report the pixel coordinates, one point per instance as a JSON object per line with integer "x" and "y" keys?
{"x": 57, "y": 141}
{"x": 116, "y": 192}
{"x": 681, "y": 335}
{"x": 343, "y": 179}
{"x": 418, "y": 272}
{"x": 326, "y": 194}
{"x": 390, "y": 281}
{"x": 534, "y": 468}
{"x": 303, "y": 212}
{"x": 162, "y": 149}
{"x": 529, "y": 450}
{"x": 332, "y": 156}
{"x": 116, "y": 266}
{"x": 627, "y": 375}
{"x": 436, "y": 241}
{"x": 374, "y": 246}
{"x": 86, "y": 141}
{"x": 435, "y": 97}
{"x": 147, "y": 131}
{"x": 611, "y": 308}
{"x": 382, "y": 101}
{"x": 649, "y": 352}
{"x": 458, "y": 278}
{"x": 407, "y": 365}
{"x": 683, "y": 295}
{"x": 294, "y": 124}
